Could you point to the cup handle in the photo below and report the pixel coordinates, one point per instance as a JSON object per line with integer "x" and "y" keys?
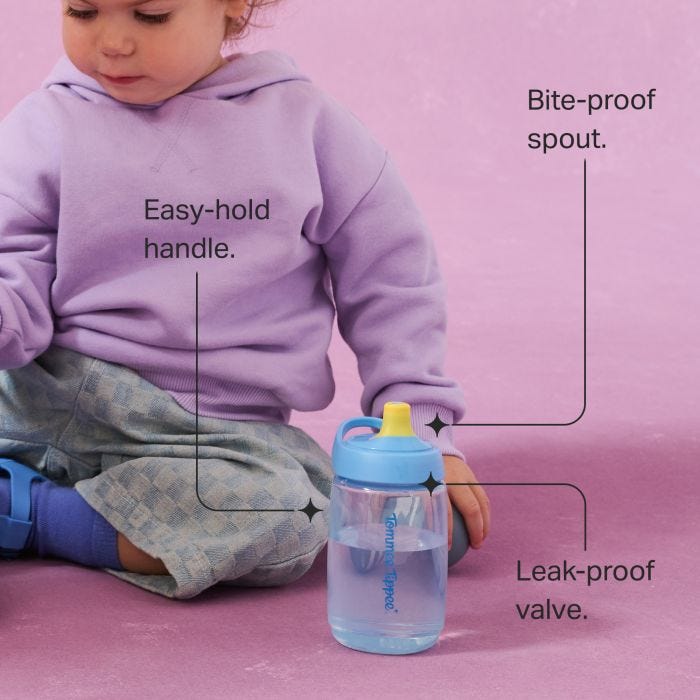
{"x": 361, "y": 422}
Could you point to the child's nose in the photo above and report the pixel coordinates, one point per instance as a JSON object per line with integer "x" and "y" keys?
{"x": 116, "y": 41}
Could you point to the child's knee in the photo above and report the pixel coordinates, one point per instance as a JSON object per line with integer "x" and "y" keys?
{"x": 280, "y": 573}
{"x": 297, "y": 543}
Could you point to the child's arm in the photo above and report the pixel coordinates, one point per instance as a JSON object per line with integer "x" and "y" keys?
{"x": 389, "y": 295}
{"x": 28, "y": 222}
{"x": 390, "y": 298}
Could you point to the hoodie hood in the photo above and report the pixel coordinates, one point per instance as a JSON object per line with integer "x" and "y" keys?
{"x": 242, "y": 73}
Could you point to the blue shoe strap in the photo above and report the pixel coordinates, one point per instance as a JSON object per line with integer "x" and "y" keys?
{"x": 13, "y": 534}
{"x": 15, "y": 527}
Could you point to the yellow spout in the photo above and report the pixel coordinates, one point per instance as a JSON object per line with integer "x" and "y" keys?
{"x": 396, "y": 421}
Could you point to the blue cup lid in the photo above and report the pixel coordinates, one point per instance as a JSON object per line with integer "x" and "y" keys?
{"x": 394, "y": 455}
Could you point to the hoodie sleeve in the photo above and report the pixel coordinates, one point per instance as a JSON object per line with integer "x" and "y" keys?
{"x": 28, "y": 223}
{"x": 387, "y": 287}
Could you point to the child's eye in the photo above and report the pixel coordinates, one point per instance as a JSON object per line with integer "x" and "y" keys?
{"x": 148, "y": 19}
{"x": 80, "y": 14}
{"x": 153, "y": 19}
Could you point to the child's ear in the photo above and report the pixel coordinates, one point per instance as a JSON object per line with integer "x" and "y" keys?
{"x": 235, "y": 8}
{"x": 234, "y": 11}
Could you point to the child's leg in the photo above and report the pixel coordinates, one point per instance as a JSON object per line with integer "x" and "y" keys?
{"x": 37, "y": 406}
{"x": 61, "y": 524}
{"x": 153, "y": 502}
{"x": 129, "y": 448}
{"x": 137, "y": 561}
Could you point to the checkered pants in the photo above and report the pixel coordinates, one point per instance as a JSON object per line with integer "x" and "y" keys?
{"x": 129, "y": 450}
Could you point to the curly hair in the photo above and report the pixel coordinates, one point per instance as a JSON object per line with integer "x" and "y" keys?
{"x": 237, "y": 29}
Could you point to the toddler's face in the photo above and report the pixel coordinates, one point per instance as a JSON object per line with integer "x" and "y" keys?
{"x": 166, "y": 44}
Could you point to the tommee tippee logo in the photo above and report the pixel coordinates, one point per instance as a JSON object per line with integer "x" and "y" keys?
{"x": 390, "y": 575}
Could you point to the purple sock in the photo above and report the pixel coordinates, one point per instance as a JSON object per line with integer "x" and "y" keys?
{"x": 65, "y": 526}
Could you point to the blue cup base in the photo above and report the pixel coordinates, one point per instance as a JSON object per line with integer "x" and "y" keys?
{"x": 378, "y": 644}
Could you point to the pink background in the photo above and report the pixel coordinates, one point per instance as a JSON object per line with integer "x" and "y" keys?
{"x": 444, "y": 86}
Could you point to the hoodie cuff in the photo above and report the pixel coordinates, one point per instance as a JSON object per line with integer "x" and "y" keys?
{"x": 424, "y": 413}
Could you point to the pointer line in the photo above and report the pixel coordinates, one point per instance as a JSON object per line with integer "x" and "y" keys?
{"x": 583, "y": 410}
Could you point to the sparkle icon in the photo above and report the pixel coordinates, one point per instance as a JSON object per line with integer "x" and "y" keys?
{"x": 437, "y": 424}
{"x": 431, "y": 484}
{"x": 310, "y": 510}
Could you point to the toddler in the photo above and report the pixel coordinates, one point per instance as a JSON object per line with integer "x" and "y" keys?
{"x": 147, "y": 157}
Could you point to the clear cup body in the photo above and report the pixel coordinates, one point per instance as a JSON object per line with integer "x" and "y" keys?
{"x": 387, "y": 565}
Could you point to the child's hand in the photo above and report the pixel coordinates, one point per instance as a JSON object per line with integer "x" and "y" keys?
{"x": 471, "y": 501}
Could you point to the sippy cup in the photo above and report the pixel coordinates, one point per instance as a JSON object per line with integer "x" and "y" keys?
{"x": 387, "y": 546}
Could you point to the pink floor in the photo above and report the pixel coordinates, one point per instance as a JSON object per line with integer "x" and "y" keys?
{"x": 69, "y": 632}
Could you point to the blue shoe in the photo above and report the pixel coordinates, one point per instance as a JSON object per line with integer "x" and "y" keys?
{"x": 15, "y": 527}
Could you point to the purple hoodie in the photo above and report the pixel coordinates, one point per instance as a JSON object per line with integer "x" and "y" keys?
{"x": 279, "y": 199}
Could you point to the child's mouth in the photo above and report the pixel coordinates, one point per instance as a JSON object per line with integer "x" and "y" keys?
{"x": 124, "y": 80}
